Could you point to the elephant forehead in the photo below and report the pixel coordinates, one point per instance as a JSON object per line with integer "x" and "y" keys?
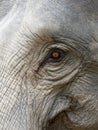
{"x": 68, "y": 18}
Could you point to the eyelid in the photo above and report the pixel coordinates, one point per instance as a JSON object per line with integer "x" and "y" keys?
{"x": 62, "y": 47}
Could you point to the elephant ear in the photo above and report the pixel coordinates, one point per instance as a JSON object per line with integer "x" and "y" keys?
{"x": 5, "y": 7}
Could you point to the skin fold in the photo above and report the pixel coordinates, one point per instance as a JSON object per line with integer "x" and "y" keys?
{"x": 37, "y": 90}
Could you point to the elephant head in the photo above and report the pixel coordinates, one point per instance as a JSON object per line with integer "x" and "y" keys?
{"x": 49, "y": 65}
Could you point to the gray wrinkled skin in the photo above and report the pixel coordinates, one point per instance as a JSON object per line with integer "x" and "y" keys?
{"x": 36, "y": 94}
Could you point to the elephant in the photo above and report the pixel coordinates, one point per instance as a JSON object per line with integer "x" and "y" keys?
{"x": 48, "y": 64}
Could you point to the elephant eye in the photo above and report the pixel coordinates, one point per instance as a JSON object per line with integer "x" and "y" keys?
{"x": 55, "y": 55}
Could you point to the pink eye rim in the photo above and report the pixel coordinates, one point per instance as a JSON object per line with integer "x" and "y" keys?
{"x": 55, "y": 54}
